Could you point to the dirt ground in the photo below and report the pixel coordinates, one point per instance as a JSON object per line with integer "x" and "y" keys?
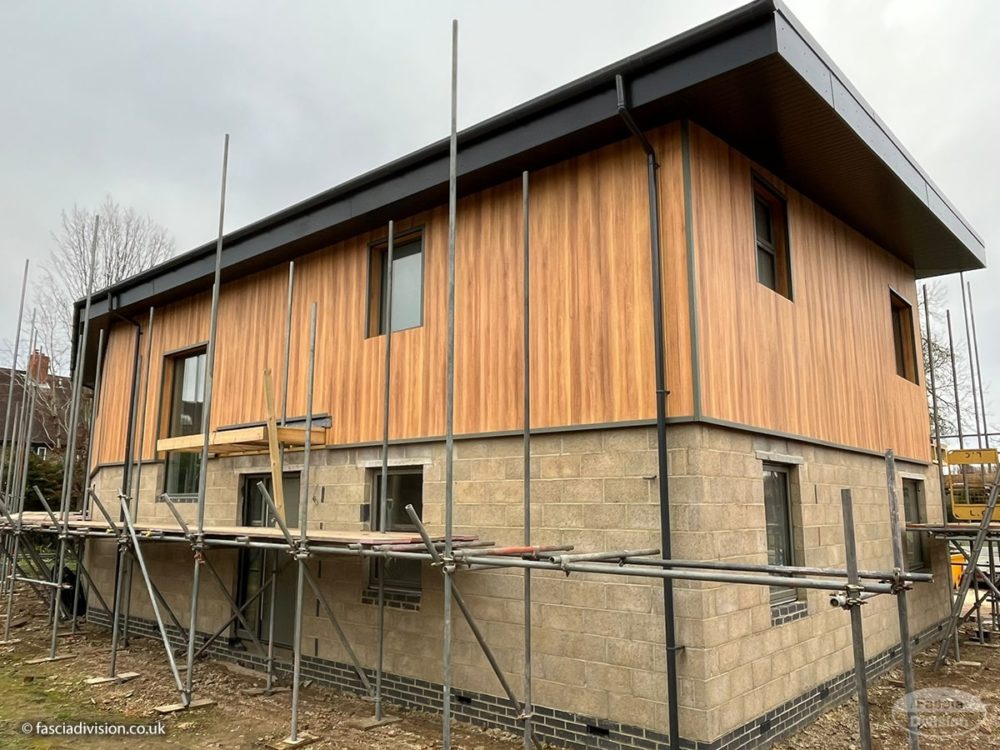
{"x": 55, "y": 691}
{"x": 837, "y": 729}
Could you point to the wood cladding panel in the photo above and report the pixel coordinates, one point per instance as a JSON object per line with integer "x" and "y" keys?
{"x": 111, "y": 422}
{"x": 822, "y": 364}
{"x": 591, "y": 335}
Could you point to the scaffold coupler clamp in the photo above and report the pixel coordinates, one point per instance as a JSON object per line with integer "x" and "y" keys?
{"x": 302, "y": 550}
{"x": 850, "y": 598}
{"x": 898, "y": 584}
{"x": 198, "y": 547}
{"x": 525, "y": 714}
{"x": 448, "y": 565}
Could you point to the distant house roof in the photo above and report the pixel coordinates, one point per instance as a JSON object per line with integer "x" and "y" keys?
{"x": 753, "y": 76}
{"x": 46, "y": 426}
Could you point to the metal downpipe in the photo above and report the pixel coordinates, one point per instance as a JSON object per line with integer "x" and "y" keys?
{"x": 663, "y": 483}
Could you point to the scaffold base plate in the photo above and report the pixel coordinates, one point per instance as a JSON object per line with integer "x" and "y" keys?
{"x": 372, "y": 722}
{"x": 172, "y": 708}
{"x": 304, "y": 739}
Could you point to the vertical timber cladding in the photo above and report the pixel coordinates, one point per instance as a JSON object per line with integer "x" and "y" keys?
{"x": 591, "y": 305}
{"x": 822, "y": 364}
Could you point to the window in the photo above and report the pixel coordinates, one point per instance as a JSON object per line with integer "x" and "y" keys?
{"x": 771, "y": 229}
{"x": 914, "y": 543}
{"x": 902, "y": 337}
{"x": 778, "y": 522}
{"x": 407, "y": 285}
{"x": 405, "y": 486}
{"x": 42, "y": 452}
{"x": 186, "y": 383}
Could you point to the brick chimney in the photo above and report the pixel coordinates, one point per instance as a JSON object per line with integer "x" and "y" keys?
{"x": 38, "y": 367}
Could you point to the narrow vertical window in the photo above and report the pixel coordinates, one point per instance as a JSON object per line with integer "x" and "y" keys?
{"x": 407, "y": 286}
{"x": 778, "y": 522}
{"x": 914, "y": 543}
{"x": 903, "y": 337}
{"x": 186, "y": 382}
{"x": 405, "y": 486}
{"x": 771, "y": 233}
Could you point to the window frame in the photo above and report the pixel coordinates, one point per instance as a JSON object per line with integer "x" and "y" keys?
{"x": 904, "y": 337}
{"x": 779, "y": 246}
{"x": 914, "y": 540}
{"x": 378, "y": 249}
{"x": 373, "y": 484}
{"x": 165, "y": 415}
{"x": 779, "y": 595}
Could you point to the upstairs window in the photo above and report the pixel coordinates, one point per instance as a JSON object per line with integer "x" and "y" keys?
{"x": 407, "y": 285}
{"x": 902, "y": 337}
{"x": 771, "y": 230}
{"x": 185, "y": 389}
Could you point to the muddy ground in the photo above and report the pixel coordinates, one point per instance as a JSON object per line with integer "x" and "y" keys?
{"x": 55, "y": 691}
{"x": 972, "y": 729}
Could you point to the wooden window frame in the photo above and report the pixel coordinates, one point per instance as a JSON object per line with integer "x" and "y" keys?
{"x": 779, "y": 247}
{"x": 904, "y": 341}
{"x": 375, "y": 325}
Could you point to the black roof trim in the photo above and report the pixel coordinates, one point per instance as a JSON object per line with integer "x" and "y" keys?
{"x": 809, "y": 125}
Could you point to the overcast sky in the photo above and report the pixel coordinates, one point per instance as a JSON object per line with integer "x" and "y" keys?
{"x": 132, "y": 99}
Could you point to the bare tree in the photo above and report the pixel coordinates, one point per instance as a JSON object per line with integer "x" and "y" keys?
{"x": 127, "y": 243}
{"x": 938, "y": 356}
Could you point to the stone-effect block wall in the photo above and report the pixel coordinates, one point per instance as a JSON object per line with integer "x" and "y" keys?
{"x": 749, "y": 664}
{"x": 598, "y": 642}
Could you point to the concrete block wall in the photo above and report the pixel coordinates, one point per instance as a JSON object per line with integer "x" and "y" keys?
{"x": 751, "y": 665}
{"x": 598, "y": 642}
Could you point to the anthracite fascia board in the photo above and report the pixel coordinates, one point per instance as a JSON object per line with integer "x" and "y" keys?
{"x": 663, "y": 83}
{"x": 492, "y": 160}
{"x": 804, "y": 54}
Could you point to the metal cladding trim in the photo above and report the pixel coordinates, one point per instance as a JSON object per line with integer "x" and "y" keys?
{"x": 754, "y": 77}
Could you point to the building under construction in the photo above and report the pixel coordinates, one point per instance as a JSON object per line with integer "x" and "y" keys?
{"x": 575, "y": 423}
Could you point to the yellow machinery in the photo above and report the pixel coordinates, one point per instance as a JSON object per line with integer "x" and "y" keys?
{"x": 968, "y": 480}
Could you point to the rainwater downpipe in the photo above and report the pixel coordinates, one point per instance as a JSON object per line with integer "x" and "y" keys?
{"x": 661, "y": 405}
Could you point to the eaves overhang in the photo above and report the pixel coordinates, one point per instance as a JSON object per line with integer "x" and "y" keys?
{"x": 754, "y": 77}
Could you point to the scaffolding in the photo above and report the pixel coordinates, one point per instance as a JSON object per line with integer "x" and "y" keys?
{"x": 969, "y": 477}
{"x": 116, "y": 520}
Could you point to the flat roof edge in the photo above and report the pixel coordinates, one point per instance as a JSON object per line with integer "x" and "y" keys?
{"x": 888, "y": 147}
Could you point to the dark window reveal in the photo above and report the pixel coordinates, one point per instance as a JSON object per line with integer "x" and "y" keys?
{"x": 778, "y": 520}
{"x": 771, "y": 231}
{"x": 903, "y": 339}
{"x": 913, "y": 541}
{"x": 405, "y": 486}
{"x": 407, "y": 286}
{"x": 187, "y": 401}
